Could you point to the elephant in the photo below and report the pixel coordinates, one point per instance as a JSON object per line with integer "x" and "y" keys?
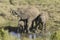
{"x": 30, "y": 13}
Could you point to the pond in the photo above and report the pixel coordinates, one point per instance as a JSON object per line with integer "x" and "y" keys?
{"x": 15, "y": 34}
{"x": 19, "y": 35}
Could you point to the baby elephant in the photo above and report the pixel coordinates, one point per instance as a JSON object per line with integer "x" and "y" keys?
{"x": 23, "y": 24}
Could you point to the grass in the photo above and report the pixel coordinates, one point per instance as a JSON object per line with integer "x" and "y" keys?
{"x": 50, "y": 6}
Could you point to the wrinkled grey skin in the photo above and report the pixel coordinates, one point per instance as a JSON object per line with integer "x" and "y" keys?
{"x": 31, "y": 13}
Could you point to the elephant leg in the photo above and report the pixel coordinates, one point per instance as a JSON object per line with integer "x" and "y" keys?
{"x": 43, "y": 30}
{"x": 44, "y": 27}
{"x": 40, "y": 26}
{"x": 29, "y": 25}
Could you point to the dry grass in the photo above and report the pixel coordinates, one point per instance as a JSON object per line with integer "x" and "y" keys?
{"x": 50, "y": 6}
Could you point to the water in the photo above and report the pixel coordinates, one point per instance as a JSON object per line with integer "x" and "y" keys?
{"x": 18, "y": 35}
{"x": 32, "y": 36}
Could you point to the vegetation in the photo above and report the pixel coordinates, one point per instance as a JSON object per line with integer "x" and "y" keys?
{"x": 8, "y": 19}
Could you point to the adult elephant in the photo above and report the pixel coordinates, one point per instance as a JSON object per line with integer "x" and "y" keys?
{"x": 30, "y": 13}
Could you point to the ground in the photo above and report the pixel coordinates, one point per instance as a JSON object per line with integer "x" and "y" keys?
{"x": 50, "y": 6}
